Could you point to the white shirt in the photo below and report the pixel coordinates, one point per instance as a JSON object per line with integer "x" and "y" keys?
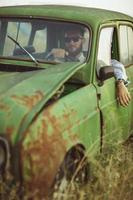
{"x": 119, "y": 70}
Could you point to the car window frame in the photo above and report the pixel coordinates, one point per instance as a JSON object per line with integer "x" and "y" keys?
{"x": 51, "y": 19}
{"x": 106, "y": 25}
{"x": 123, "y": 23}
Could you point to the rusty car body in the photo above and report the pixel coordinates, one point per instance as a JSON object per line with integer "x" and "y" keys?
{"x": 54, "y": 112}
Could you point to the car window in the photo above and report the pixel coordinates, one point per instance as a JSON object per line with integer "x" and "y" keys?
{"x": 126, "y": 44}
{"x": 20, "y": 31}
{"x": 40, "y": 40}
{"x": 104, "y": 47}
{"x": 37, "y": 36}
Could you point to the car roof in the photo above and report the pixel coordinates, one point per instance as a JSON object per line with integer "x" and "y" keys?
{"x": 72, "y": 13}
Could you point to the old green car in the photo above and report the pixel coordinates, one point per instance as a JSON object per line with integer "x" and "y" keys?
{"x": 55, "y": 113}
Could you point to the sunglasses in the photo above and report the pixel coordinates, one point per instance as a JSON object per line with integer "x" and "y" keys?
{"x": 74, "y": 39}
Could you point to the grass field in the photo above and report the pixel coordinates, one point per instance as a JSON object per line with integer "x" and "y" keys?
{"x": 111, "y": 179}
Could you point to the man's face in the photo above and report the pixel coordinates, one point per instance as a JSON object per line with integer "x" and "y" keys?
{"x": 73, "y": 42}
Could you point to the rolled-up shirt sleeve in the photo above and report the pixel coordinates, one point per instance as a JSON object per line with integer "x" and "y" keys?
{"x": 119, "y": 70}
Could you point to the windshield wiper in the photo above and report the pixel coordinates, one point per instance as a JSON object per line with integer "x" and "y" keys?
{"x": 34, "y": 60}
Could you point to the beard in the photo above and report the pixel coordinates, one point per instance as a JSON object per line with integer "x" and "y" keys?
{"x": 73, "y": 51}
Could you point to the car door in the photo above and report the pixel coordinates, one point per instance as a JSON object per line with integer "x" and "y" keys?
{"x": 115, "y": 119}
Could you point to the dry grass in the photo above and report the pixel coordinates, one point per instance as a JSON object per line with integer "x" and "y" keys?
{"x": 111, "y": 179}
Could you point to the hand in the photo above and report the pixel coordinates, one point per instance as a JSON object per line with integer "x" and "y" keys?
{"x": 58, "y": 53}
{"x": 123, "y": 94}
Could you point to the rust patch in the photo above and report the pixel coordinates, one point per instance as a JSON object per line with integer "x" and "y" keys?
{"x": 29, "y": 101}
{"x": 4, "y": 107}
{"x": 43, "y": 156}
{"x": 9, "y": 131}
{"x": 56, "y": 121}
{"x": 45, "y": 150}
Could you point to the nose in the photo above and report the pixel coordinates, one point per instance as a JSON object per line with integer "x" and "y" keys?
{"x": 71, "y": 42}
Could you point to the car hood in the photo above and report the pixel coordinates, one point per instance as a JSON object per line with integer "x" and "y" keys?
{"x": 23, "y": 94}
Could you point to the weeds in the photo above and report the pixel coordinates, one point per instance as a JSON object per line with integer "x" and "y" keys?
{"x": 111, "y": 179}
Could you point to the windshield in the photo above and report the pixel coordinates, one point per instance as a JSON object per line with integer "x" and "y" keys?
{"x": 45, "y": 40}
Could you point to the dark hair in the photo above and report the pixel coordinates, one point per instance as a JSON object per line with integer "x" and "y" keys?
{"x": 73, "y": 27}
